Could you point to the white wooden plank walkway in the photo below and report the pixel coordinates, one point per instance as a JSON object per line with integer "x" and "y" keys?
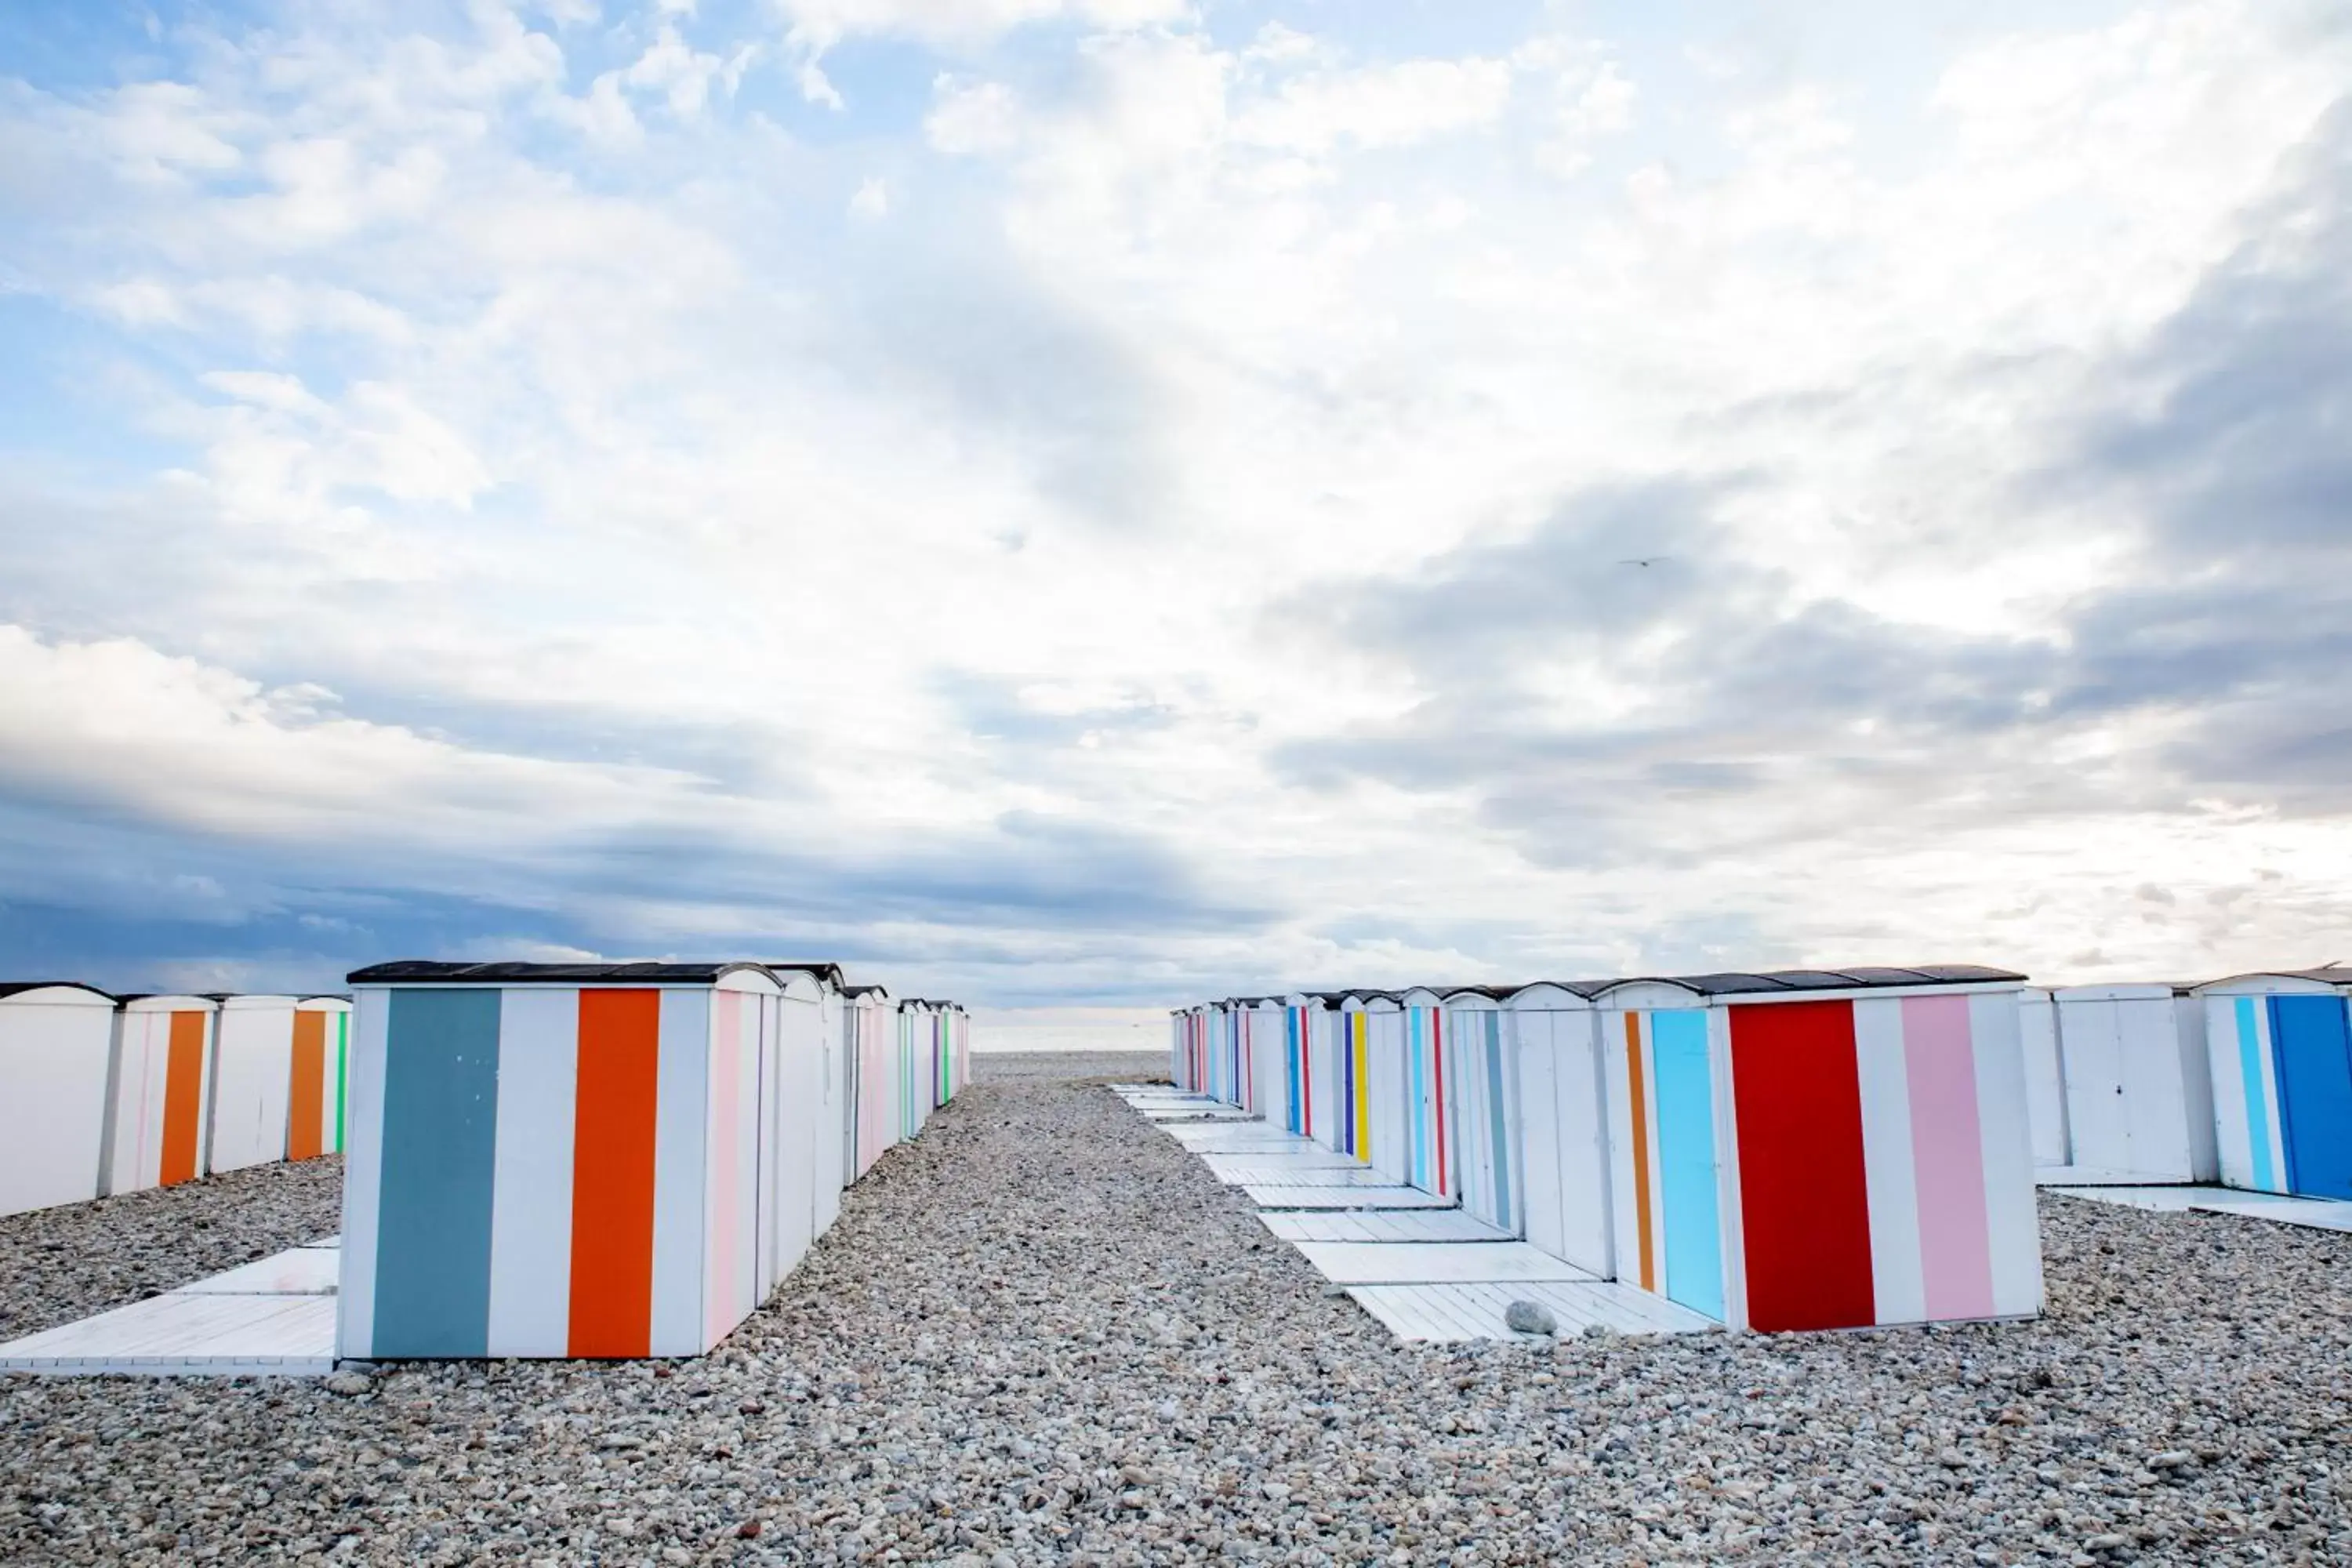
{"x": 1253, "y": 1171}
{"x": 272, "y": 1317}
{"x": 1410, "y": 1258}
{"x": 2172, "y": 1200}
{"x": 1449, "y": 1226}
{"x": 1445, "y": 1313}
{"x": 304, "y": 1271}
{"x": 1438, "y": 1262}
{"x": 1271, "y": 1197}
{"x": 217, "y": 1335}
{"x": 2318, "y": 1214}
{"x": 2090, "y": 1176}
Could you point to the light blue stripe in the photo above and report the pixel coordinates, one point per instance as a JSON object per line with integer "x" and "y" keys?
{"x": 2258, "y": 1106}
{"x": 1686, "y": 1174}
{"x": 440, "y": 1155}
{"x": 1495, "y": 1127}
{"x": 1419, "y": 1124}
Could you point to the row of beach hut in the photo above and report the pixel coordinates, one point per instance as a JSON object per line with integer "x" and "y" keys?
{"x": 2246, "y": 1081}
{"x": 103, "y": 1094}
{"x": 611, "y": 1160}
{"x": 1799, "y": 1149}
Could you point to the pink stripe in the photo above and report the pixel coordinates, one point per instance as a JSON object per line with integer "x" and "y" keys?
{"x": 726, "y": 1097}
{"x": 1948, "y": 1153}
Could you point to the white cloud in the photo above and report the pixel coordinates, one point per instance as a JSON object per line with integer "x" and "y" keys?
{"x": 1383, "y": 106}
{"x": 626, "y": 441}
{"x": 813, "y": 26}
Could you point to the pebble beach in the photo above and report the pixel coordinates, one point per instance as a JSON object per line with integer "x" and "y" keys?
{"x": 1043, "y": 1333}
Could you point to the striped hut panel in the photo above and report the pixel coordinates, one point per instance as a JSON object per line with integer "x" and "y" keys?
{"x": 135, "y": 1138}
{"x": 156, "y": 1124}
{"x": 731, "y": 1198}
{"x": 535, "y": 1178}
{"x": 1359, "y": 1099}
{"x": 307, "y": 1128}
{"x": 2248, "y": 1126}
{"x": 1421, "y": 1151}
{"x": 439, "y": 1143}
{"x": 187, "y": 1080}
{"x": 1884, "y": 1164}
{"x": 681, "y": 1157}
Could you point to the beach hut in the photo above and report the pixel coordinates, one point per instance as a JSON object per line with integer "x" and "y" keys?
{"x": 1809, "y": 1149}
{"x": 1268, "y": 1023}
{"x": 1299, "y": 1086}
{"x": 914, "y": 1029}
{"x": 595, "y": 1160}
{"x": 2280, "y": 1056}
{"x": 1387, "y": 1099}
{"x": 873, "y": 1019}
{"x": 56, "y": 1040}
{"x": 1329, "y": 1055}
{"x": 835, "y": 1141}
{"x": 2045, "y": 1079}
{"x": 251, "y": 1112}
{"x": 319, "y": 1098}
{"x": 1427, "y": 1113}
{"x": 1480, "y": 1077}
{"x": 1553, "y": 1077}
{"x": 1357, "y": 1126}
{"x": 160, "y": 1081}
{"x": 2136, "y": 1095}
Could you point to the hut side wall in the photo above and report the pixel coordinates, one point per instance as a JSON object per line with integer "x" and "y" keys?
{"x": 252, "y": 1087}
{"x": 162, "y": 1081}
{"x": 53, "y": 1076}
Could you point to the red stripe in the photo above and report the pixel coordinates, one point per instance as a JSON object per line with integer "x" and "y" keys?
{"x": 613, "y": 1174}
{"x": 1804, "y": 1199}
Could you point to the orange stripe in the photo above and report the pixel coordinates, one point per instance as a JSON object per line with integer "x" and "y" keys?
{"x": 613, "y": 1174}
{"x": 306, "y": 1107}
{"x": 183, "y": 1099}
{"x": 1641, "y": 1147}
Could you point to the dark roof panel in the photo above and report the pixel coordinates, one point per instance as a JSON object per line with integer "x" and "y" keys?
{"x": 419, "y": 971}
{"x": 12, "y": 987}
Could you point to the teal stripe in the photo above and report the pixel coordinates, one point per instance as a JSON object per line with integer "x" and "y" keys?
{"x": 1496, "y": 1134}
{"x": 342, "y": 1073}
{"x": 2258, "y": 1104}
{"x": 1687, "y": 1175}
{"x": 440, "y": 1146}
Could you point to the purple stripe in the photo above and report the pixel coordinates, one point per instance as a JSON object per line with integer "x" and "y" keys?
{"x": 1948, "y": 1153}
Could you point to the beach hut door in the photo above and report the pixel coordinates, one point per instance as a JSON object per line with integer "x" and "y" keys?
{"x": 2315, "y": 1079}
{"x": 2090, "y": 1047}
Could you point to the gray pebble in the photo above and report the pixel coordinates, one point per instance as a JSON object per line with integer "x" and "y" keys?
{"x": 1042, "y": 1334}
{"x": 1529, "y": 1318}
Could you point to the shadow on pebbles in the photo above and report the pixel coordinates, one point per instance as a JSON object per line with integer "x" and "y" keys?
{"x": 1043, "y": 1333}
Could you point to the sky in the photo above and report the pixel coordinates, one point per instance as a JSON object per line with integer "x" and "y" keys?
{"x": 1118, "y": 502}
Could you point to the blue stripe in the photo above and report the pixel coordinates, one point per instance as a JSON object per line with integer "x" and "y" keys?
{"x": 1686, "y": 1174}
{"x": 440, "y": 1149}
{"x": 1495, "y": 1132}
{"x": 2258, "y": 1105}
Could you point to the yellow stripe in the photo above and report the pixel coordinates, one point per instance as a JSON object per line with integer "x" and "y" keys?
{"x": 1363, "y": 1093}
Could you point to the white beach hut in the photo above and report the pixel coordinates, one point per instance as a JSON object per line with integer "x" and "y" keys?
{"x": 1269, "y": 1053}
{"x": 1553, "y": 1071}
{"x": 2045, "y": 1079}
{"x": 1482, "y": 1097}
{"x": 56, "y": 1040}
{"x": 1428, "y": 1117}
{"x": 2280, "y": 1056}
{"x": 1388, "y": 1088}
{"x": 253, "y": 1083}
{"x": 160, "y": 1083}
{"x": 1301, "y": 1090}
{"x": 1811, "y": 1149}
{"x": 2135, "y": 1100}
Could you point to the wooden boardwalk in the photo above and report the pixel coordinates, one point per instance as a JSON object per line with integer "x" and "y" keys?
{"x": 1410, "y": 1258}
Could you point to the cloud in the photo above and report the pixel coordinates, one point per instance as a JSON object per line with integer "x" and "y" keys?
{"x": 1132, "y": 507}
